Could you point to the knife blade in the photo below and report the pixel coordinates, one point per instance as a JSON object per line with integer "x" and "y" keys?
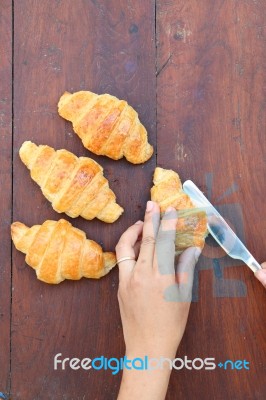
{"x": 219, "y": 228}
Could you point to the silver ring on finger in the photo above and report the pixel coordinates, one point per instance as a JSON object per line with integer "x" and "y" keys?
{"x": 125, "y": 259}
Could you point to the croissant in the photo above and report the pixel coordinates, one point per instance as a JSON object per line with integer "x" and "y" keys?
{"x": 73, "y": 185}
{"x": 58, "y": 251}
{"x": 192, "y": 223}
{"x": 106, "y": 125}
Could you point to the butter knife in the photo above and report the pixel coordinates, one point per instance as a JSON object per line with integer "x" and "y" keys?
{"x": 219, "y": 228}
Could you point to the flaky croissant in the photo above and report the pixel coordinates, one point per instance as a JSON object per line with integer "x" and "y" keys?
{"x": 75, "y": 186}
{"x": 58, "y": 251}
{"x": 192, "y": 223}
{"x": 106, "y": 125}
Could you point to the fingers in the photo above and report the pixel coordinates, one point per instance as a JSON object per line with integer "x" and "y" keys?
{"x": 182, "y": 290}
{"x": 137, "y": 248}
{"x": 185, "y": 271}
{"x": 126, "y": 248}
{"x": 165, "y": 243}
{"x": 261, "y": 275}
{"x": 149, "y": 234}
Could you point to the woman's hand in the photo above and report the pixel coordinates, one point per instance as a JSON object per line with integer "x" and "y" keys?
{"x": 154, "y": 299}
{"x": 261, "y": 275}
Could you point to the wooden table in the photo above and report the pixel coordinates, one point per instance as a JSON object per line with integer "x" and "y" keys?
{"x": 195, "y": 72}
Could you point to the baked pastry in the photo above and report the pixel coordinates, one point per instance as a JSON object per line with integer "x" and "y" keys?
{"x": 106, "y": 125}
{"x": 75, "y": 186}
{"x": 192, "y": 223}
{"x": 58, "y": 251}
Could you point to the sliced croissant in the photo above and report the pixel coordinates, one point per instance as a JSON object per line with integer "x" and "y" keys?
{"x": 58, "y": 251}
{"x": 75, "y": 186}
{"x": 192, "y": 223}
{"x": 106, "y": 125}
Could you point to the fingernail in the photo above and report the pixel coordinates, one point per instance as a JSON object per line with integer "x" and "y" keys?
{"x": 197, "y": 253}
{"x": 149, "y": 206}
{"x": 138, "y": 222}
{"x": 169, "y": 209}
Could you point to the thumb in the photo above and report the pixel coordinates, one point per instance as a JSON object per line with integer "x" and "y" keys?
{"x": 261, "y": 274}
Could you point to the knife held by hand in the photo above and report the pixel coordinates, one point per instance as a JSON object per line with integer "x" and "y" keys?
{"x": 219, "y": 228}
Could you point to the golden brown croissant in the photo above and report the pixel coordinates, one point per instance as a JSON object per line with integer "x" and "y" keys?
{"x": 192, "y": 224}
{"x": 58, "y": 251}
{"x": 73, "y": 185}
{"x": 106, "y": 125}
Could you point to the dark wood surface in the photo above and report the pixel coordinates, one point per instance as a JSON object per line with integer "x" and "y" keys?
{"x": 5, "y": 189}
{"x": 211, "y": 128}
{"x": 195, "y": 72}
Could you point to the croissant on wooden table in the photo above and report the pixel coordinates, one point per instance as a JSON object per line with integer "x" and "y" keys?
{"x": 58, "y": 251}
{"x": 75, "y": 186}
{"x": 192, "y": 223}
{"x": 106, "y": 125}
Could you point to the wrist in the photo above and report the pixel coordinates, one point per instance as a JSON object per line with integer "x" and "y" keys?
{"x": 148, "y": 383}
{"x": 151, "y": 351}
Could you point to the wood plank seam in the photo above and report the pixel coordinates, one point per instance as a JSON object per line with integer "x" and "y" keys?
{"x": 6, "y": 185}
{"x": 12, "y": 197}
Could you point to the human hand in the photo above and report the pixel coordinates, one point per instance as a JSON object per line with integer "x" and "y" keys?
{"x": 154, "y": 299}
{"x": 261, "y": 274}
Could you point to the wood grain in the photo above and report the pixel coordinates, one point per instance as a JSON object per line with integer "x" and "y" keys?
{"x": 210, "y": 116}
{"x": 6, "y": 189}
{"x": 211, "y": 129}
{"x": 103, "y": 47}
